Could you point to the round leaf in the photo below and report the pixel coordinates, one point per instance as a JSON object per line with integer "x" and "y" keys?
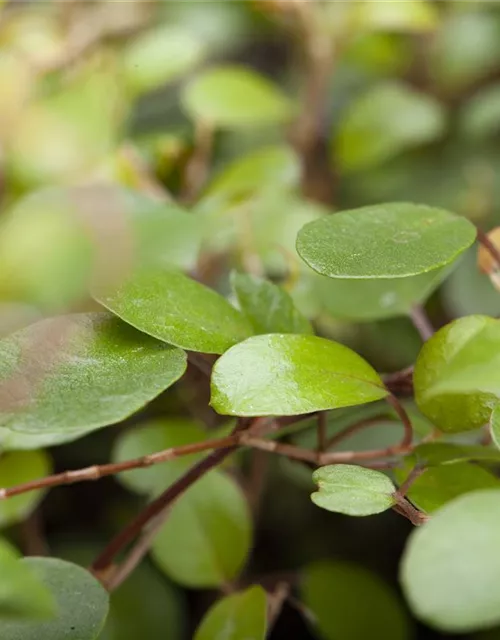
{"x": 151, "y": 438}
{"x": 232, "y": 97}
{"x": 159, "y": 56}
{"x": 351, "y": 603}
{"x": 16, "y": 468}
{"x": 352, "y": 490}
{"x": 451, "y": 565}
{"x": 394, "y": 240}
{"x": 171, "y": 307}
{"x": 457, "y": 374}
{"x": 241, "y": 616}
{"x": 65, "y": 376}
{"x": 287, "y": 374}
{"x": 206, "y": 538}
{"x": 82, "y": 604}
{"x": 268, "y": 307}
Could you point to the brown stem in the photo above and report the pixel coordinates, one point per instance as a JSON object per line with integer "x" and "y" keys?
{"x": 489, "y": 246}
{"x": 421, "y": 322}
{"x": 412, "y": 476}
{"x": 407, "y": 510}
{"x": 401, "y": 411}
{"x": 350, "y": 430}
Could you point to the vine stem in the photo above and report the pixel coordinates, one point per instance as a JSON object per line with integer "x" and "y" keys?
{"x": 421, "y": 322}
{"x": 405, "y": 419}
{"x": 489, "y": 246}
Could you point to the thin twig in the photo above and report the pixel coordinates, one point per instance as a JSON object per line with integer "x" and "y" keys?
{"x": 405, "y": 419}
{"x": 489, "y": 246}
{"x": 421, "y": 322}
{"x": 407, "y": 510}
{"x": 351, "y": 429}
{"x": 412, "y": 476}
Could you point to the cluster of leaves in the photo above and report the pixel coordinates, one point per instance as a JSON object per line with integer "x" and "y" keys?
{"x": 225, "y": 310}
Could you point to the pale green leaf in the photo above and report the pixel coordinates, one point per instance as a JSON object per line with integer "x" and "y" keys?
{"x": 82, "y": 604}
{"x": 206, "y": 539}
{"x": 495, "y": 425}
{"x": 233, "y": 97}
{"x": 393, "y": 240}
{"x": 350, "y": 603}
{"x": 170, "y": 306}
{"x": 352, "y": 490}
{"x": 383, "y": 122}
{"x": 408, "y": 16}
{"x": 479, "y": 117}
{"x": 288, "y": 374}
{"x": 66, "y": 376}
{"x": 268, "y": 307}
{"x": 457, "y": 374}
{"x": 451, "y": 565}
{"x": 240, "y": 616}
{"x": 18, "y": 467}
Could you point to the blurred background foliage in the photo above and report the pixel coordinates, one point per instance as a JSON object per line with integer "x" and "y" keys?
{"x": 204, "y": 135}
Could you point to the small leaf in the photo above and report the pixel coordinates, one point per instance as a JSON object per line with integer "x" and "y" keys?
{"x": 82, "y": 604}
{"x": 439, "y": 485}
{"x": 450, "y": 566}
{"x": 383, "y": 122}
{"x": 287, "y": 374}
{"x": 394, "y": 240}
{"x": 151, "y": 438}
{"x": 66, "y": 376}
{"x": 18, "y": 467}
{"x": 351, "y": 603}
{"x": 174, "y": 308}
{"x": 22, "y": 596}
{"x": 457, "y": 374}
{"x": 233, "y": 97}
{"x": 240, "y": 616}
{"x": 268, "y": 307}
{"x": 160, "y": 56}
{"x": 352, "y": 490}
{"x": 206, "y": 538}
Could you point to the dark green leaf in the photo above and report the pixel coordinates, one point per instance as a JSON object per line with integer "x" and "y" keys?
{"x": 18, "y": 467}
{"x": 351, "y": 603}
{"x": 291, "y": 374}
{"x": 172, "y": 307}
{"x": 451, "y": 565}
{"x": 353, "y": 490}
{"x": 268, "y": 307}
{"x": 233, "y": 97}
{"x": 394, "y": 240}
{"x": 82, "y": 604}
{"x": 206, "y": 538}
{"x": 241, "y": 616}
{"x": 66, "y": 376}
{"x": 457, "y": 374}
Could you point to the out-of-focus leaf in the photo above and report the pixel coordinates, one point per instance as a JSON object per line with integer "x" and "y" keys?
{"x": 169, "y": 306}
{"x": 290, "y": 374}
{"x": 480, "y": 115}
{"x": 351, "y": 603}
{"x": 240, "y": 616}
{"x": 206, "y": 538}
{"x": 384, "y": 121}
{"x": 82, "y": 604}
{"x": 413, "y": 16}
{"x": 233, "y": 97}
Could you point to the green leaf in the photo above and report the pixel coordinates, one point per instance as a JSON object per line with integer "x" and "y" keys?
{"x": 150, "y": 438}
{"x": 479, "y": 117}
{"x": 160, "y": 56}
{"x": 383, "y": 122}
{"x": 439, "y": 485}
{"x": 413, "y": 16}
{"x": 394, "y": 240}
{"x": 268, "y": 307}
{"x": 16, "y": 468}
{"x": 82, "y": 604}
{"x": 287, "y": 374}
{"x": 240, "y": 616}
{"x": 206, "y": 538}
{"x": 266, "y": 168}
{"x": 437, "y": 453}
{"x": 170, "y": 306}
{"x": 457, "y": 374}
{"x": 350, "y": 602}
{"x": 352, "y": 490}
{"x": 66, "y": 376}
{"x": 450, "y": 566}
{"x": 377, "y": 299}
{"x": 22, "y": 595}
{"x": 232, "y": 97}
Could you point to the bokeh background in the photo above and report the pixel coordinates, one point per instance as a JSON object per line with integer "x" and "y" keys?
{"x": 102, "y": 123}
